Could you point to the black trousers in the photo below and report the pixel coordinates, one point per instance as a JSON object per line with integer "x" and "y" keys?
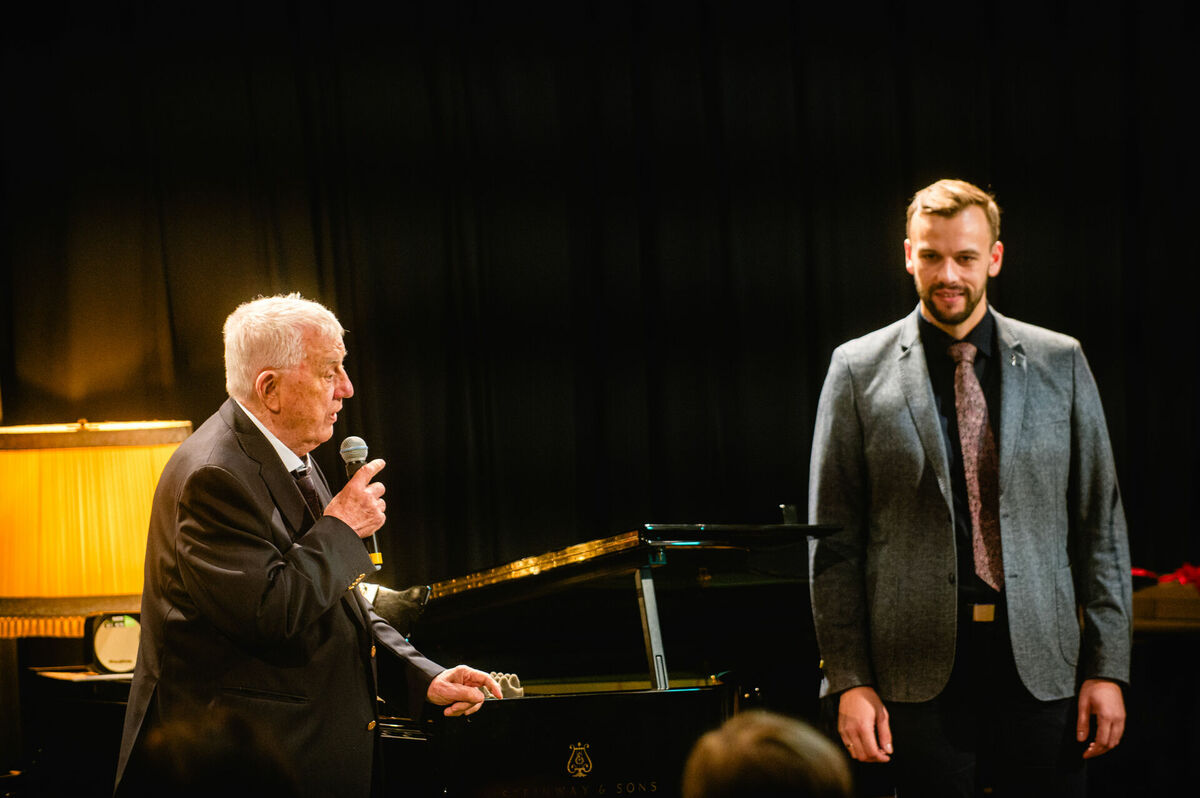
{"x": 985, "y": 731}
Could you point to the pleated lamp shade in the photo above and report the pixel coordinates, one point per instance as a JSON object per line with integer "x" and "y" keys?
{"x": 74, "y": 509}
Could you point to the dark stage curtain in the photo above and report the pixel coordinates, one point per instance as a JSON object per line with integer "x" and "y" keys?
{"x": 593, "y": 256}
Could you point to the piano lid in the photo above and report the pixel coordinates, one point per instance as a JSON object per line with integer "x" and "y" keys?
{"x": 583, "y": 613}
{"x": 628, "y": 551}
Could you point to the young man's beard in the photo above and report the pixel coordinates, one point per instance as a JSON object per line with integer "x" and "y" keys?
{"x": 972, "y": 302}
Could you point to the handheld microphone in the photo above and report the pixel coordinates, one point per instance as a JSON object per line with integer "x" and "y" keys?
{"x": 354, "y": 454}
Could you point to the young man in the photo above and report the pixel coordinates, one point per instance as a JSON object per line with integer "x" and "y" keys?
{"x": 966, "y": 457}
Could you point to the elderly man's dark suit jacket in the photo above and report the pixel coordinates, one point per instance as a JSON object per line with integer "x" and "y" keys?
{"x": 249, "y": 608}
{"x": 884, "y": 588}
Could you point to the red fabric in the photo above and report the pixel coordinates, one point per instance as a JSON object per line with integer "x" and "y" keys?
{"x": 1187, "y": 574}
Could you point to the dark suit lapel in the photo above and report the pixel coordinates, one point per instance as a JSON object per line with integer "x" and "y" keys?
{"x": 279, "y": 482}
{"x": 914, "y": 381}
{"x": 353, "y": 599}
{"x": 1014, "y": 377}
{"x": 285, "y": 492}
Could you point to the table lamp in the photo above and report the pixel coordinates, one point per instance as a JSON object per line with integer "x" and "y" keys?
{"x": 74, "y": 510}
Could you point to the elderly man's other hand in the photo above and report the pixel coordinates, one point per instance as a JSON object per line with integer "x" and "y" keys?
{"x": 461, "y": 690}
{"x": 360, "y": 504}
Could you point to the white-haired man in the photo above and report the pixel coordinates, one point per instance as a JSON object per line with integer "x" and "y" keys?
{"x": 249, "y": 607}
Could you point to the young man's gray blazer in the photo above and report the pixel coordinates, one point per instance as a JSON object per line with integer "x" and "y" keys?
{"x": 884, "y": 592}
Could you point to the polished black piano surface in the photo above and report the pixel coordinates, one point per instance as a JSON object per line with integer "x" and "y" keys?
{"x": 627, "y": 649}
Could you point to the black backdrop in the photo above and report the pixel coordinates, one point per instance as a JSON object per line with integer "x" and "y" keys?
{"x": 593, "y": 256}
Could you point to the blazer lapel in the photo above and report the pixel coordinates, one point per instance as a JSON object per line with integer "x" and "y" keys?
{"x": 286, "y": 493}
{"x": 914, "y": 381}
{"x": 279, "y": 482}
{"x": 353, "y": 599}
{"x": 1014, "y": 376}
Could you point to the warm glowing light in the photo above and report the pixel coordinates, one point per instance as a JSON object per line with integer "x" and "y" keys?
{"x": 75, "y": 505}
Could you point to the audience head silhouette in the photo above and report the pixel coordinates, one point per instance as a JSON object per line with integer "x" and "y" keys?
{"x": 759, "y": 754}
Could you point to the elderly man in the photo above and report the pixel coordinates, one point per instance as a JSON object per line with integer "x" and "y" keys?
{"x": 249, "y": 608}
{"x": 966, "y": 457}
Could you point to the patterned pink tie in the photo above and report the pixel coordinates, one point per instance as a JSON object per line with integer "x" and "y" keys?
{"x": 979, "y": 463}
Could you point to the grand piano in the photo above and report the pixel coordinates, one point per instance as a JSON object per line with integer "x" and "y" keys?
{"x": 627, "y": 649}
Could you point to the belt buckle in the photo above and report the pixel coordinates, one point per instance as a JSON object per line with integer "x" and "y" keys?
{"x": 983, "y": 613}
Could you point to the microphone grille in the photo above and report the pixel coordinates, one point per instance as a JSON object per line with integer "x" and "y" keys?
{"x": 353, "y": 450}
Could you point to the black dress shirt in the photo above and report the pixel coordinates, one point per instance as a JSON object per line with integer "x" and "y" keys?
{"x": 941, "y": 376}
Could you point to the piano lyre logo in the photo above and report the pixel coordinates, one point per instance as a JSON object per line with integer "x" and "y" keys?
{"x": 580, "y": 764}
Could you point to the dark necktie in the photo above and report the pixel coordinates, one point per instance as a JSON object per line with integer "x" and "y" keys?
{"x": 979, "y": 465}
{"x": 304, "y": 480}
